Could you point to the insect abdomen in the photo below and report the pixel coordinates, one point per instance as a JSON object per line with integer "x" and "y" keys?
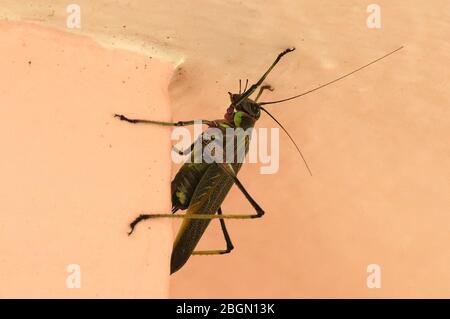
{"x": 185, "y": 182}
{"x": 211, "y": 191}
{"x": 204, "y": 187}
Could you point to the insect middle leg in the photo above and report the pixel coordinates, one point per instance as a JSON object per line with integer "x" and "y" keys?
{"x": 227, "y": 240}
{"x": 190, "y": 148}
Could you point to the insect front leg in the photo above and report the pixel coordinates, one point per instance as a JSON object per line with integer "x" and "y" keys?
{"x": 230, "y": 246}
{"x": 179, "y": 123}
{"x": 253, "y": 87}
{"x": 261, "y": 90}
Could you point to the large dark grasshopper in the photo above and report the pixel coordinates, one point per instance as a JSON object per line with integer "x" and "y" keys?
{"x": 200, "y": 188}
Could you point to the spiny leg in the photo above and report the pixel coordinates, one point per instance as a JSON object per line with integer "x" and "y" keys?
{"x": 229, "y": 171}
{"x": 179, "y": 123}
{"x": 227, "y": 240}
{"x": 253, "y": 87}
{"x": 261, "y": 89}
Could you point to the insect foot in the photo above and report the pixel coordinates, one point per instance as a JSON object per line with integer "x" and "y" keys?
{"x": 136, "y": 221}
{"x": 124, "y": 118}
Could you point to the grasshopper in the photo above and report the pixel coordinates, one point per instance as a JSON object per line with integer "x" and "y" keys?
{"x": 201, "y": 188}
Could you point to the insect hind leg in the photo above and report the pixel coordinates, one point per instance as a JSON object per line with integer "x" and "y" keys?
{"x": 230, "y": 246}
{"x": 229, "y": 171}
{"x": 142, "y": 217}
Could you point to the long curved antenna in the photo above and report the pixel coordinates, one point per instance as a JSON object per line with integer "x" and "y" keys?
{"x": 290, "y": 137}
{"x": 335, "y": 80}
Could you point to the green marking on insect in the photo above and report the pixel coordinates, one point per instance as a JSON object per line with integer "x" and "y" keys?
{"x": 238, "y": 118}
{"x": 181, "y": 197}
{"x": 200, "y": 188}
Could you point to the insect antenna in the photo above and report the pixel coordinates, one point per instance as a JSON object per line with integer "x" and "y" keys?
{"x": 290, "y": 137}
{"x": 240, "y": 86}
{"x": 246, "y": 84}
{"x": 334, "y": 81}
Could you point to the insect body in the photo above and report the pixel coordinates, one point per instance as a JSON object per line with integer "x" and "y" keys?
{"x": 200, "y": 188}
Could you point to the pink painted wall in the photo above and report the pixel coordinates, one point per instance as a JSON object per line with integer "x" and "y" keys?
{"x": 72, "y": 177}
{"x": 376, "y": 143}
